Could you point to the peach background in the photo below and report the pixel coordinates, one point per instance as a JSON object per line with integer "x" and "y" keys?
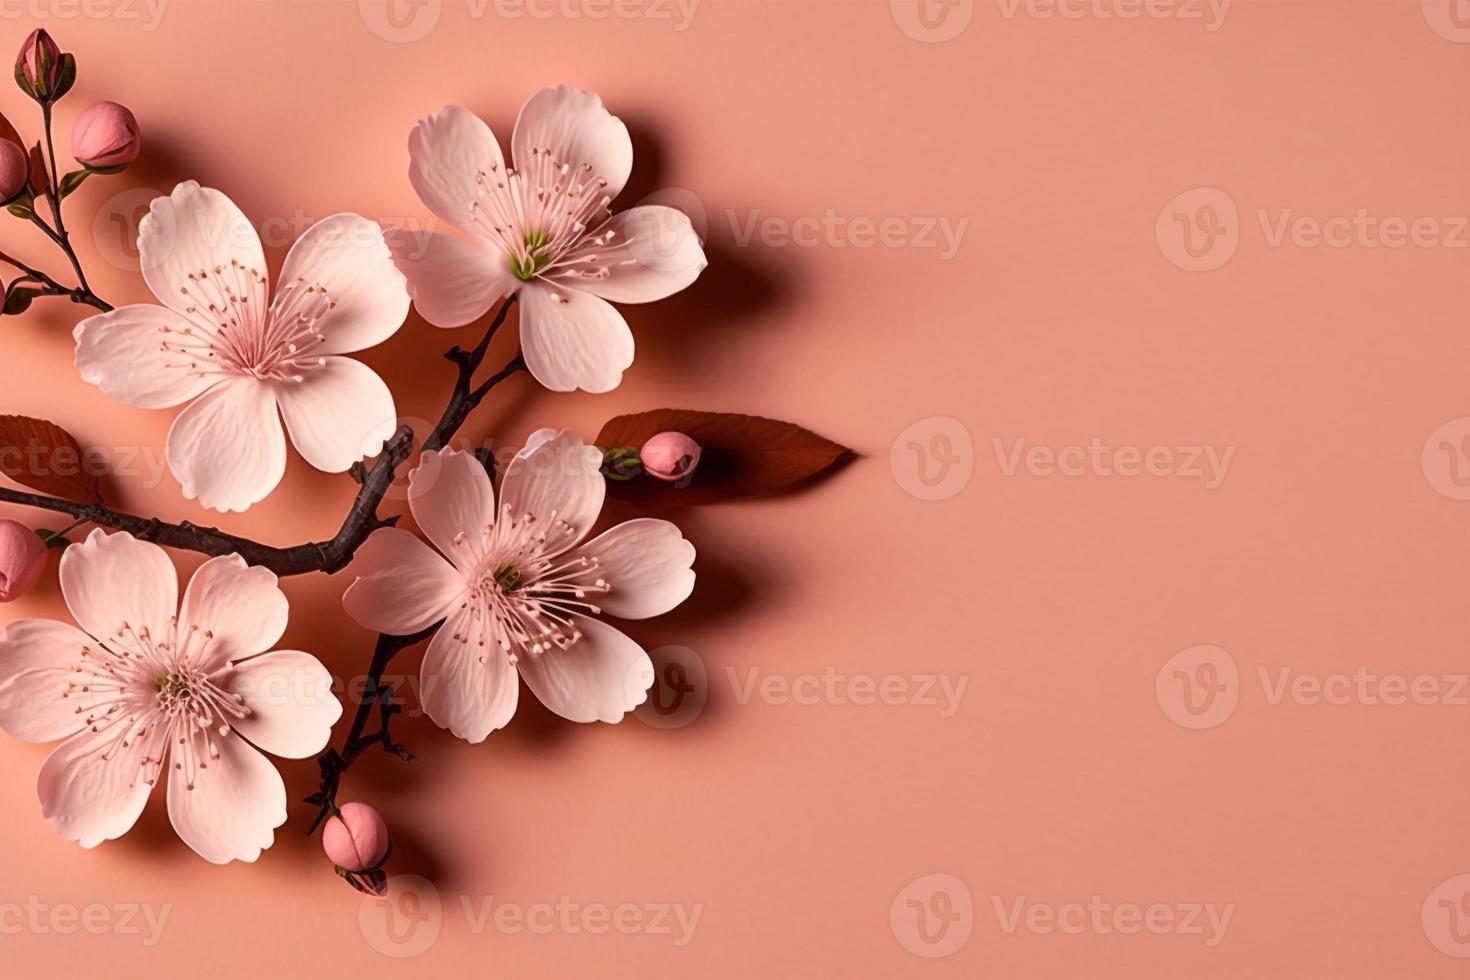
{"x": 1058, "y": 599}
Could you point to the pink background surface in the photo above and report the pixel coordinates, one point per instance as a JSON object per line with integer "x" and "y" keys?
{"x": 1331, "y": 831}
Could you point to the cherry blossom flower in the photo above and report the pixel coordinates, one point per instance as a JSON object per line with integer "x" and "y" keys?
{"x": 147, "y": 690}
{"x": 517, "y": 588}
{"x": 242, "y": 361}
{"x": 542, "y": 229}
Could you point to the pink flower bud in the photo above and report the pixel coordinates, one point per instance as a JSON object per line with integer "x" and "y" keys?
{"x": 357, "y": 840}
{"x": 105, "y": 135}
{"x": 22, "y": 557}
{"x": 38, "y": 67}
{"x": 670, "y": 456}
{"x": 15, "y": 170}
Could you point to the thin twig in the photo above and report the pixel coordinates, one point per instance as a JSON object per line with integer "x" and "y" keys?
{"x": 50, "y": 287}
{"x": 329, "y": 556}
{"x": 82, "y": 293}
{"x": 335, "y": 762}
{"x": 53, "y": 194}
{"x": 362, "y": 519}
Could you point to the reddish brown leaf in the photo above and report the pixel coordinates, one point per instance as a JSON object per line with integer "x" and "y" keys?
{"x": 44, "y": 456}
{"x": 742, "y": 455}
{"x": 7, "y": 132}
{"x": 39, "y": 181}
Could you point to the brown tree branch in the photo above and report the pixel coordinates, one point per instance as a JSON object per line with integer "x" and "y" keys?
{"x": 53, "y": 195}
{"x": 329, "y": 556}
{"x": 50, "y": 287}
{"x": 362, "y": 519}
{"x": 335, "y": 762}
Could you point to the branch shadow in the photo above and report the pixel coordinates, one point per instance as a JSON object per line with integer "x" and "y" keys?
{"x": 681, "y": 335}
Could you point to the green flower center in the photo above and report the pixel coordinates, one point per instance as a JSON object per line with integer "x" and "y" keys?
{"x": 508, "y": 577}
{"x": 535, "y": 258}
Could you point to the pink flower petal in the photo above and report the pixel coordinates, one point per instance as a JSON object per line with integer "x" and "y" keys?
{"x": 337, "y": 414}
{"x": 243, "y": 608}
{"x": 90, "y": 798}
{"x": 120, "y": 352}
{"x": 445, "y": 153}
{"x": 227, "y": 447}
{"x": 236, "y": 804}
{"x": 653, "y": 252}
{"x": 572, "y": 339}
{"x": 453, "y": 502}
{"x": 560, "y": 478}
{"x": 453, "y": 281}
{"x": 601, "y": 677}
{"x": 292, "y": 708}
{"x": 647, "y": 563}
{"x": 346, "y": 255}
{"x": 542, "y": 435}
{"x": 578, "y": 130}
{"x": 197, "y": 231}
{"x": 37, "y": 661}
{"x": 402, "y": 585}
{"x": 119, "y": 588}
{"x": 467, "y": 683}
